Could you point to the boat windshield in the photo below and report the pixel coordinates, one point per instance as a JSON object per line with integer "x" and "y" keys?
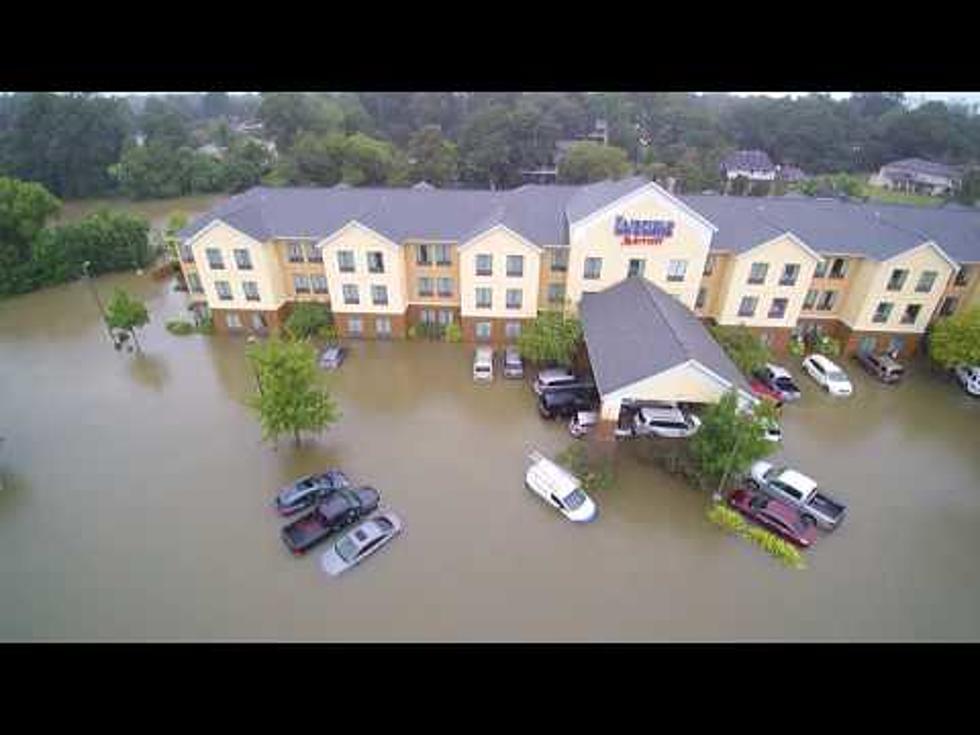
{"x": 346, "y": 549}
{"x": 574, "y": 499}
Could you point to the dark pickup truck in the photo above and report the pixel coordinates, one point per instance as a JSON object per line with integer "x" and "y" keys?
{"x": 341, "y": 509}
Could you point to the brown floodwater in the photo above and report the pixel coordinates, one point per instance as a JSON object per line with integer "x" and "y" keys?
{"x": 136, "y": 505}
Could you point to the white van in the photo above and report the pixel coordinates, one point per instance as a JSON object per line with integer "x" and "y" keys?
{"x": 483, "y": 364}
{"x": 559, "y": 488}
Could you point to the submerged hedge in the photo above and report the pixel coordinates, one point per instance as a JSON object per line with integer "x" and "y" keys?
{"x": 733, "y": 521}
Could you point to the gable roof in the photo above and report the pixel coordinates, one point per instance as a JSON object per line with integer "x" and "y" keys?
{"x": 634, "y": 330}
{"x": 748, "y": 161}
{"x": 920, "y": 166}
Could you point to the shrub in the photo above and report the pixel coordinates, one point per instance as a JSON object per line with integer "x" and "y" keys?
{"x": 746, "y": 350}
{"x": 797, "y": 347}
{"x": 453, "y": 333}
{"x": 827, "y": 346}
{"x": 412, "y": 331}
{"x": 179, "y": 327}
{"x": 551, "y": 337}
{"x": 732, "y": 521}
{"x": 595, "y": 474}
{"x": 206, "y": 325}
{"x": 309, "y": 320}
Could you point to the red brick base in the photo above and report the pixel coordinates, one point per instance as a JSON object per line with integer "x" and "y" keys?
{"x": 369, "y": 326}
{"x": 273, "y": 321}
{"x": 498, "y": 334}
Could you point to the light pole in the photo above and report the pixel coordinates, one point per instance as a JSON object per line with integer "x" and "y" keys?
{"x": 98, "y": 301}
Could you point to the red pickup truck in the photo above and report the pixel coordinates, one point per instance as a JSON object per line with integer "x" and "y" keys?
{"x": 341, "y": 509}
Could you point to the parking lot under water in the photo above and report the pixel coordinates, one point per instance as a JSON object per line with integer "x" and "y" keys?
{"x": 136, "y": 504}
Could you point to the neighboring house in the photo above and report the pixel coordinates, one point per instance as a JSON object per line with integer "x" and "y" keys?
{"x": 549, "y": 174}
{"x": 918, "y": 176}
{"x": 752, "y": 165}
{"x": 790, "y": 174}
{"x": 212, "y": 149}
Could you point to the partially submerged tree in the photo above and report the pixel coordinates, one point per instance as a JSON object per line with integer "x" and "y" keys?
{"x": 309, "y": 320}
{"x": 746, "y": 349}
{"x": 126, "y": 313}
{"x": 551, "y": 337}
{"x": 955, "y": 340}
{"x": 288, "y": 398}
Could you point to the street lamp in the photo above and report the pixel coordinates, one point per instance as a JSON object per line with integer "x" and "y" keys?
{"x": 98, "y": 301}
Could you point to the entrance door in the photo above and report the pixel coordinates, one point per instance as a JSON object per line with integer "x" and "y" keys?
{"x": 636, "y": 267}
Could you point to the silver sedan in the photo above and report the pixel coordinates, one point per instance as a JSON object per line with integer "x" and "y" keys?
{"x": 360, "y": 542}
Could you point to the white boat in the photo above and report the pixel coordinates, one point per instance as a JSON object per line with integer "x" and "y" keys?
{"x": 559, "y": 488}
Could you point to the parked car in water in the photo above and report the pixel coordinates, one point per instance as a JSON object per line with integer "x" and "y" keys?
{"x": 968, "y": 376}
{"x": 778, "y": 517}
{"x": 799, "y": 491}
{"x": 567, "y": 403}
{"x": 774, "y": 432}
{"x": 582, "y": 423}
{"x": 513, "y": 363}
{"x": 666, "y": 420}
{"x": 342, "y": 508}
{"x": 332, "y": 357}
{"x": 552, "y": 378}
{"x": 881, "y": 366}
{"x": 360, "y": 542}
{"x": 308, "y": 490}
{"x": 826, "y": 373}
{"x": 778, "y": 380}
{"x": 483, "y": 364}
{"x": 761, "y": 390}
{"x": 559, "y": 488}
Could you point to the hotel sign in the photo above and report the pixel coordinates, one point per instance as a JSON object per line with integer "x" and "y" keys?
{"x": 643, "y": 231}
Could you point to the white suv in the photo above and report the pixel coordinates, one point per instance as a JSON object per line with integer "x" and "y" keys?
{"x": 969, "y": 377}
{"x": 483, "y": 364}
{"x": 828, "y": 375}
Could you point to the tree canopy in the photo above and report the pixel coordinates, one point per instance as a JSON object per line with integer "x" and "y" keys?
{"x": 955, "y": 340}
{"x": 585, "y": 162}
{"x": 551, "y": 337}
{"x": 126, "y": 313}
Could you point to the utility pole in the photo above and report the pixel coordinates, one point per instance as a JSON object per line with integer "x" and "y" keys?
{"x": 728, "y": 468}
{"x": 98, "y": 301}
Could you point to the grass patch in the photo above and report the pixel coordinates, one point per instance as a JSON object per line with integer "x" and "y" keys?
{"x": 732, "y": 521}
{"x": 180, "y": 327}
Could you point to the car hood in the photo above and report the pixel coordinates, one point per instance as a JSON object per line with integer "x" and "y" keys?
{"x": 584, "y": 513}
{"x": 368, "y": 496}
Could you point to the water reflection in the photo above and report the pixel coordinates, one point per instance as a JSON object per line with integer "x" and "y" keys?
{"x": 149, "y": 370}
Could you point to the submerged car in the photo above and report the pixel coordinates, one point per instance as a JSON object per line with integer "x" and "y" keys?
{"x": 667, "y": 420}
{"x": 968, "y": 376}
{"x": 342, "y": 508}
{"x": 778, "y": 382}
{"x": 483, "y": 364}
{"x": 513, "y": 364}
{"x": 778, "y": 517}
{"x": 582, "y": 423}
{"x": 309, "y": 490}
{"x": 799, "y": 491}
{"x": 332, "y": 357}
{"x": 552, "y": 378}
{"x": 559, "y": 488}
{"x": 567, "y": 403}
{"x": 828, "y": 375}
{"x": 882, "y": 367}
{"x": 360, "y": 542}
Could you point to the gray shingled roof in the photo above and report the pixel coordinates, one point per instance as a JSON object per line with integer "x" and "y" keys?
{"x": 921, "y": 166}
{"x": 748, "y": 161}
{"x": 634, "y": 329}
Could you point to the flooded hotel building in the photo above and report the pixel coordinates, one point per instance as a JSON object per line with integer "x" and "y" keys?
{"x": 873, "y": 275}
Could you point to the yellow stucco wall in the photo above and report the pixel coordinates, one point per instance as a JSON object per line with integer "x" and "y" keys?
{"x": 685, "y": 382}
{"x": 361, "y": 240}
{"x": 264, "y": 272}
{"x": 499, "y": 243}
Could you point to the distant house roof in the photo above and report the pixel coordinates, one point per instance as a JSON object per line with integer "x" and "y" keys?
{"x": 914, "y": 166}
{"x": 423, "y": 186}
{"x": 748, "y": 161}
{"x": 791, "y": 173}
{"x": 634, "y": 330}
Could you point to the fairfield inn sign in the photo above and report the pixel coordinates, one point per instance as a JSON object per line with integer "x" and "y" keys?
{"x": 643, "y": 231}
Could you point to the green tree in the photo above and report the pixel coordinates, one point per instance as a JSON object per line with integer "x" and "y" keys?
{"x": 126, "y": 313}
{"x": 288, "y": 398}
{"x": 286, "y": 115}
{"x": 552, "y": 337}
{"x": 367, "y": 161}
{"x": 432, "y": 157}
{"x": 165, "y": 123}
{"x": 24, "y": 209}
{"x": 744, "y": 348}
{"x": 955, "y": 340}
{"x": 969, "y": 191}
{"x": 245, "y": 163}
{"x": 587, "y": 161}
{"x": 485, "y": 149}
{"x": 315, "y": 159}
{"x": 310, "y": 320}
{"x": 730, "y": 439}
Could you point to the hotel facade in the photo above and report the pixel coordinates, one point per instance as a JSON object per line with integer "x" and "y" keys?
{"x": 872, "y": 275}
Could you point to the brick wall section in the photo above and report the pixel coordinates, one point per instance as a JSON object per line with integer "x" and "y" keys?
{"x": 273, "y": 319}
{"x": 497, "y": 333}
{"x": 398, "y": 325}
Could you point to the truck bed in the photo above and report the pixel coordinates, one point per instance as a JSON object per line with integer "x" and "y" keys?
{"x": 306, "y": 532}
{"x": 827, "y": 507}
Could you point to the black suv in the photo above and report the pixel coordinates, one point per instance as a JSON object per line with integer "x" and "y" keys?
{"x": 567, "y": 402}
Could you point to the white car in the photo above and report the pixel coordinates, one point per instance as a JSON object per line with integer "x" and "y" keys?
{"x": 828, "y": 375}
{"x": 360, "y": 542}
{"x": 559, "y": 488}
{"x": 969, "y": 378}
{"x": 483, "y": 364}
{"x": 553, "y": 378}
{"x": 582, "y": 423}
{"x": 666, "y": 420}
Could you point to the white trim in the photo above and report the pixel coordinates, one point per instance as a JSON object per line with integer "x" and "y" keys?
{"x": 499, "y": 226}
{"x": 212, "y": 225}
{"x": 793, "y": 238}
{"x": 927, "y": 243}
{"x": 650, "y": 186}
{"x": 351, "y": 225}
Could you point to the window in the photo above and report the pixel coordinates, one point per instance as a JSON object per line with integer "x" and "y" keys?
{"x": 294, "y": 252}
{"x": 926, "y": 281}
{"x": 897, "y": 279}
{"x": 445, "y": 317}
{"x": 354, "y": 325}
{"x": 319, "y": 283}
{"x": 223, "y": 289}
{"x": 214, "y": 259}
{"x": 777, "y": 310}
{"x": 515, "y": 266}
{"x": 882, "y": 312}
{"x": 194, "y": 281}
{"x": 484, "y": 298}
{"x": 243, "y": 260}
{"x": 556, "y": 293}
{"x": 559, "y": 260}
{"x": 676, "y": 269}
{"x": 896, "y": 344}
{"x": 911, "y": 313}
{"x": 512, "y": 330}
{"x": 709, "y": 265}
{"x": 382, "y": 327}
{"x": 258, "y": 322}
{"x": 867, "y": 344}
{"x": 757, "y": 275}
{"x": 425, "y": 286}
{"x": 428, "y": 316}
{"x": 747, "y": 307}
{"x": 636, "y": 267}
{"x": 949, "y": 306}
{"x": 821, "y": 270}
{"x": 345, "y": 261}
{"x": 483, "y": 330}
{"x": 839, "y": 268}
{"x": 515, "y": 297}
{"x": 811, "y": 298}
{"x": 379, "y": 295}
{"x": 484, "y": 264}
{"x": 443, "y": 256}
{"x": 827, "y": 301}
{"x": 350, "y": 294}
{"x": 593, "y": 267}
{"x": 444, "y": 287}
{"x": 376, "y": 262}
{"x": 791, "y": 271}
{"x": 423, "y": 254}
{"x": 313, "y": 253}
{"x": 301, "y": 283}
{"x": 962, "y": 276}
{"x": 186, "y": 254}
{"x": 765, "y": 338}
{"x": 702, "y": 297}
{"x": 251, "y": 289}
{"x": 232, "y": 320}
